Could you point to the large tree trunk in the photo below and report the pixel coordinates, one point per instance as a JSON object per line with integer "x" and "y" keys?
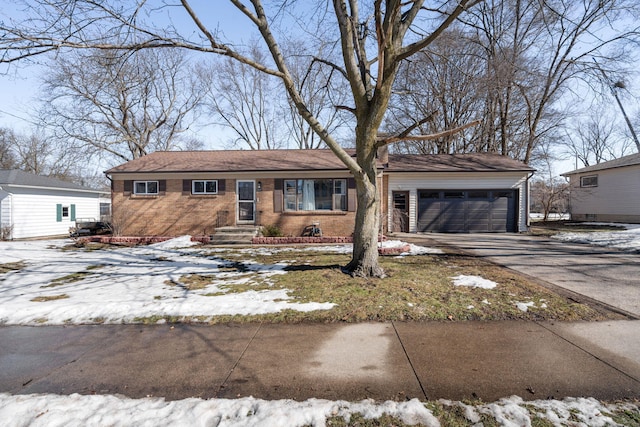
{"x": 364, "y": 262}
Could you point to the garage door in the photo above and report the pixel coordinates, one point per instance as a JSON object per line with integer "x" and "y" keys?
{"x": 467, "y": 211}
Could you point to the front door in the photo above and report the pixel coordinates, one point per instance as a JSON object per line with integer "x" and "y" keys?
{"x": 400, "y": 223}
{"x": 246, "y": 202}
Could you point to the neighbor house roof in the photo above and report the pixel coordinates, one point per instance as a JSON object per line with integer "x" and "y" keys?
{"x": 631, "y": 160}
{"x": 476, "y": 162}
{"x": 18, "y": 178}
{"x": 232, "y": 161}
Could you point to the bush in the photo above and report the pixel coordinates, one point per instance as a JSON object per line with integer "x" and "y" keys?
{"x": 271, "y": 231}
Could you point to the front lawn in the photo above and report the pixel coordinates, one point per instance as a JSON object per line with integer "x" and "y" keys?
{"x": 416, "y": 288}
{"x": 58, "y": 283}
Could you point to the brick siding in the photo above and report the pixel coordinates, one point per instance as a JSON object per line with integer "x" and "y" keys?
{"x": 174, "y": 213}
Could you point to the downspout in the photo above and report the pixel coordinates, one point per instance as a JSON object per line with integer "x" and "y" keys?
{"x": 528, "y": 207}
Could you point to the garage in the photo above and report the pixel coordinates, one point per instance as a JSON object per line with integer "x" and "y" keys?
{"x": 467, "y": 211}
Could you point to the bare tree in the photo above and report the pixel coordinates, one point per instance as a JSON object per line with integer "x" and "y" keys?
{"x": 374, "y": 38}
{"x": 7, "y": 153}
{"x": 247, "y": 101}
{"x": 438, "y": 89}
{"x": 123, "y": 104}
{"x": 40, "y": 154}
{"x": 549, "y": 192}
{"x": 592, "y": 140}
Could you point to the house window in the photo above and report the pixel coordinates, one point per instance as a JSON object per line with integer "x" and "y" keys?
{"x": 315, "y": 194}
{"x": 65, "y": 212}
{"x": 145, "y": 187}
{"x": 589, "y": 181}
{"x": 204, "y": 187}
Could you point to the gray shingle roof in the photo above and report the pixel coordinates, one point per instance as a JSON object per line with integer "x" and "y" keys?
{"x": 17, "y": 177}
{"x": 475, "y": 162}
{"x": 631, "y": 160}
{"x": 232, "y": 161}
{"x": 303, "y": 160}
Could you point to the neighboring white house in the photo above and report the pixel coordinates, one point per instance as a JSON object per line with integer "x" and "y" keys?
{"x": 608, "y": 191}
{"x": 37, "y": 206}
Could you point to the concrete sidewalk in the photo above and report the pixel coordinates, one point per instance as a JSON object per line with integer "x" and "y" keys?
{"x": 467, "y": 360}
{"x": 605, "y": 275}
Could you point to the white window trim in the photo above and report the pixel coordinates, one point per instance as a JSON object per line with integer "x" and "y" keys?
{"x": 68, "y": 208}
{"x": 588, "y": 186}
{"x": 146, "y": 185}
{"x": 193, "y": 186}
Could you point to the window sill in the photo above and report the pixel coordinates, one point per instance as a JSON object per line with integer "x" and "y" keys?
{"x": 314, "y": 213}
{"x": 144, "y": 196}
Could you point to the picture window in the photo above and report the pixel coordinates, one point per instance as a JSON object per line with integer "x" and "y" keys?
{"x": 315, "y": 194}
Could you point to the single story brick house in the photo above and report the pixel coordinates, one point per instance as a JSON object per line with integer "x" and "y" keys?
{"x": 196, "y": 192}
{"x": 608, "y": 191}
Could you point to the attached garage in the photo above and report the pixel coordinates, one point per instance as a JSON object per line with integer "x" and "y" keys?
{"x": 467, "y": 193}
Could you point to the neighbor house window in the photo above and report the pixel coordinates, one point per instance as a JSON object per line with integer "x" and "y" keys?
{"x": 315, "y": 194}
{"x": 589, "y": 181}
{"x": 65, "y": 212}
{"x": 204, "y": 187}
{"x": 145, "y": 187}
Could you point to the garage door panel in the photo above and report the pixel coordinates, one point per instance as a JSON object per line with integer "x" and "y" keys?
{"x": 466, "y": 211}
{"x": 429, "y": 215}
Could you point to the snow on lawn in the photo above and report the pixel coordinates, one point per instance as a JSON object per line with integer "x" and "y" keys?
{"x": 121, "y": 284}
{"x": 124, "y": 283}
{"x": 627, "y": 240}
{"x": 78, "y": 410}
{"x": 473, "y": 282}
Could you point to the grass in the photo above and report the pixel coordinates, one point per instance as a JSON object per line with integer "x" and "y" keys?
{"x": 550, "y": 228}
{"x": 49, "y": 298}
{"x": 11, "y": 266}
{"x": 453, "y": 416}
{"x": 74, "y": 277}
{"x": 417, "y": 288}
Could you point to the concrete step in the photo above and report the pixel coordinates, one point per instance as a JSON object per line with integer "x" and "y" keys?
{"x": 238, "y": 235}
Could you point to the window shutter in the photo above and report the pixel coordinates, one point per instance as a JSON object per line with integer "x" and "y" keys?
{"x": 58, "y": 212}
{"x": 73, "y": 212}
{"x": 186, "y": 187}
{"x": 128, "y": 187}
{"x": 351, "y": 195}
{"x": 162, "y": 186}
{"x": 221, "y": 186}
{"x": 278, "y": 185}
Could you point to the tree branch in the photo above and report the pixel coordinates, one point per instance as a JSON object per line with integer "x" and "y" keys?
{"x": 400, "y": 137}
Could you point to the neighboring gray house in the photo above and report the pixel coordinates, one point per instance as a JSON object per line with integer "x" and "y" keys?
{"x": 608, "y": 191}
{"x": 37, "y": 206}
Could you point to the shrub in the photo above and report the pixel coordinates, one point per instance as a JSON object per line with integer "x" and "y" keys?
{"x": 271, "y": 230}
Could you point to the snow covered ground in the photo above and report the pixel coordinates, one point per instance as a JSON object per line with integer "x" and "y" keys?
{"x": 124, "y": 283}
{"x": 87, "y": 411}
{"x": 626, "y": 240}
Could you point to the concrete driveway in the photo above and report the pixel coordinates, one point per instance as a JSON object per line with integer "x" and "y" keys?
{"x": 608, "y": 276}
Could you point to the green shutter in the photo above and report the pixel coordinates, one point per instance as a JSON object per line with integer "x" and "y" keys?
{"x": 59, "y": 212}
{"x": 73, "y": 212}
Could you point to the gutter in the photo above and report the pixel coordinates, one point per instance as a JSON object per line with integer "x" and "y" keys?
{"x": 37, "y": 187}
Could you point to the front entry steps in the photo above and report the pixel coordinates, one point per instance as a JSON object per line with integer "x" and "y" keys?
{"x": 234, "y": 235}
